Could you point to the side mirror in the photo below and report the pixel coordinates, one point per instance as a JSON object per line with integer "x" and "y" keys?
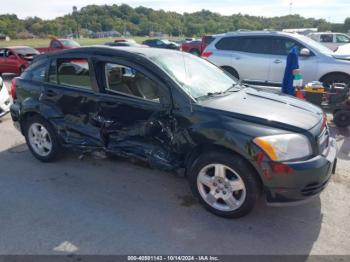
{"x": 305, "y": 52}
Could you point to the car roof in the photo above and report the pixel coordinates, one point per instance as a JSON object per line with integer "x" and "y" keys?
{"x": 18, "y": 46}
{"x": 255, "y": 33}
{"x": 110, "y": 51}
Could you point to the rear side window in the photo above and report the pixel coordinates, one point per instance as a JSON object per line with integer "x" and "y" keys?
{"x": 36, "y": 71}
{"x": 257, "y": 45}
{"x": 328, "y": 38}
{"x": 229, "y": 44}
{"x": 71, "y": 72}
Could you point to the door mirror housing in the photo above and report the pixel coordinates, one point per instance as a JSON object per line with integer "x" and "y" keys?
{"x": 305, "y": 52}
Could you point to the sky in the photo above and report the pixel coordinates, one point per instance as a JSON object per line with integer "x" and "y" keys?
{"x": 332, "y": 10}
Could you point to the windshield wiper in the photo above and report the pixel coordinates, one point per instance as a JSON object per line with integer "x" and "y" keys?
{"x": 234, "y": 88}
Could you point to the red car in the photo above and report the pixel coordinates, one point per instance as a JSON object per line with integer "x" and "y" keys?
{"x": 58, "y": 44}
{"x": 15, "y": 59}
{"x": 196, "y": 47}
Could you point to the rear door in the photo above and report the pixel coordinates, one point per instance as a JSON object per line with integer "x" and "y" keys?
{"x": 280, "y": 50}
{"x": 248, "y": 55}
{"x": 135, "y": 112}
{"x": 72, "y": 92}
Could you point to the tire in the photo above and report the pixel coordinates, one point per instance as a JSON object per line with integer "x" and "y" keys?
{"x": 42, "y": 139}
{"x": 231, "y": 71}
{"x": 195, "y": 52}
{"x": 335, "y": 78}
{"x": 237, "y": 184}
{"x": 342, "y": 118}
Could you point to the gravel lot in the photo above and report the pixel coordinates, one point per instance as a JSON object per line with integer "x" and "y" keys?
{"x": 111, "y": 206}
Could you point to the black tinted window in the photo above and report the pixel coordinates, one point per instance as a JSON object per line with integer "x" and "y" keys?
{"x": 282, "y": 46}
{"x": 56, "y": 44}
{"x": 229, "y": 43}
{"x": 258, "y": 45}
{"x": 72, "y": 72}
{"x": 208, "y": 39}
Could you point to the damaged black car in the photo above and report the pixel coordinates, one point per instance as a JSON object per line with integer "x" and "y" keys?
{"x": 177, "y": 112}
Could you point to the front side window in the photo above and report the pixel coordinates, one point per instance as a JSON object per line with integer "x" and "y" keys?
{"x": 342, "y": 39}
{"x": 71, "y": 72}
{"x": 282, "y": 46}
{"x": 126, "y": 80}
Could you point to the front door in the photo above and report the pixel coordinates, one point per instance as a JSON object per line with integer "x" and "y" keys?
{"x": 135, "y": 113}
{"x": 282, "y": 47}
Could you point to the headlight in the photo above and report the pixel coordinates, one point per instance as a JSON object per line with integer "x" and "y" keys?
{"x": 284, "y": 147}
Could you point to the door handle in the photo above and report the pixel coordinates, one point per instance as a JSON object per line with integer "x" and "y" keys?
{"x": 277, "y": 61}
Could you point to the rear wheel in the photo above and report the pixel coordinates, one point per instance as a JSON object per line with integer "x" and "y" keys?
{"x": 41, "y": 139}
{"x": 342, "y": 118}
{"x": 335, "y": 78}
{"x": 224, "y": 184}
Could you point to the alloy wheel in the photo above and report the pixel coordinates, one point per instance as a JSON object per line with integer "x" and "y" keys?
{"x": 221, "y": 187}
{"x": 39, "y": 139}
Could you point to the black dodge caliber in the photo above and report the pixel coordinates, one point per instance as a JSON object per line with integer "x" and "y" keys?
{"x": 177, "y": 112}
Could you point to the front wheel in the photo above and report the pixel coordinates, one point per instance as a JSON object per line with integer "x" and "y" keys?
{"x": 41, "y": 139}
{"x": 342, "y": 118}
{"x": 224, "y": 184}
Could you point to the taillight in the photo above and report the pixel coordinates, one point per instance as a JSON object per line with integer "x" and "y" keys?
{"x": 206, "y": 54}
{"x": 13, "y": 89}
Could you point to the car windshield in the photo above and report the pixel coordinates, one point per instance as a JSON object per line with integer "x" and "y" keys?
{"x": 196, "y": 76}
{"x": 315, "y": 45}
{"x": 25, "y": 50}
{"x": 69, "y": 43}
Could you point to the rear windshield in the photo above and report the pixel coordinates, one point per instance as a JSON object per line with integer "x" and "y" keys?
{"x": 69, "y": 43}
{"x": 25, "y": 51}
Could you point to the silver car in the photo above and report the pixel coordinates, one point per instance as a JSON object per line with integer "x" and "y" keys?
{"x": 260, "y": 57}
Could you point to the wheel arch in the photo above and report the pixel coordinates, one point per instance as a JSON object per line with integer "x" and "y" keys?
{"x": 233, "y": 70}
{"x": 200, "y": 149}
{"x": 333, "y": 73}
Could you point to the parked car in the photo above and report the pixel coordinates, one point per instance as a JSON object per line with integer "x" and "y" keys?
{"x": 196, "y": 47}
{"x": 58, "y": 44}
{"x": 260, "y": 57}
{"x": 232, "y": 142}
{"x": 15, "y": 59}
{"x": 330, "y": 40}
{"x": 124, "y": 44}
{"x": 5, "y": 101}
{"x": 343, "y": 50}
{"x": 124, "y": 40}
{"x": 161, "y": 43}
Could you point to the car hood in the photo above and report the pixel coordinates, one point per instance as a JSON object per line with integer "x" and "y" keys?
{"x": 269, "y": 107}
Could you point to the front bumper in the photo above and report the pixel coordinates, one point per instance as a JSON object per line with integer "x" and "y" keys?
{"x": 303, "y": 181}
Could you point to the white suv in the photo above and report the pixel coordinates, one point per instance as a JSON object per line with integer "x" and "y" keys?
{"x": 330, "y": 40}
{"x": 260, "y": 57}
